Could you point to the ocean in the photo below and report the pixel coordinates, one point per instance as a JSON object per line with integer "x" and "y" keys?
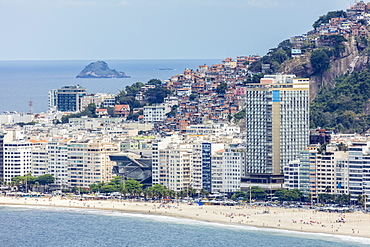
{"x": 46, "y": 226}
{"x": 23, "y": 81}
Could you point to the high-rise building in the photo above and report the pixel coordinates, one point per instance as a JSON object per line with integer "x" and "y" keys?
{"x": 232, "y": 168}
{"x": 359, "y": 171}
{"x": 277, "y": 127}
{"x": 89, "y": 162}
{"x": 57, "y": 149}
{"x": 1, "y": 155}
{"x": 17, "y": 159}
{"x": 172, "y": 164}
{"x": 67, "y": 99}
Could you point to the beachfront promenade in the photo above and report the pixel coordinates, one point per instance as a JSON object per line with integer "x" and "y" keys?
{"x": 306, "y": 220}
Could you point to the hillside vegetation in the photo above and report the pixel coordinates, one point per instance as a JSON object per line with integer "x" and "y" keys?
{"x": 346, "y": 107}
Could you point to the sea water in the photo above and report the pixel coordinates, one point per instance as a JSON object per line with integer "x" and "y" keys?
{"x": 45, "y": 226}
{"x": 24, "y": 81}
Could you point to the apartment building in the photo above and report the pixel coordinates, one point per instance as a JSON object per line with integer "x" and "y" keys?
{"x": 39, "y": 158}
{"x": 155, "y": 113}
{"x": 99, "y": 99}
{"x": 326, "y": 179}
{"x": 67, "y": 99}
{"x": 172, "y": 164}
{"x": 89, "y": 162}
{"x": 297, "y": 173}
{"x": 233, "y": 168}
{"x": 17, "y": 159}
{"x": 217, "y": 172}
{"x": 359, "y": 170}
{"x": 277, "y": 127}
{"x": 57, "y": 149}
{"x": 180, "y": 163}
{"x": 1, "y": 155}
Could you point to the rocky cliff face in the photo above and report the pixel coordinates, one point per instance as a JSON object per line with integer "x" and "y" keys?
{"x": 352, "y": 59}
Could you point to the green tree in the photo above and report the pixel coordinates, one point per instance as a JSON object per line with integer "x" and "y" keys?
{"x": 35, "y": 186}
{"x": 221, "y": 88}
{"x": 94, "y": 187}
{"x": 108, "y": 188}
{"x": 159, "y": 191}
{"x": 133, "y": 187}
{"x": 192, "y": 192}
{"x": 204, "y": 193}
{"x": 25, "y": 182}
{"x": 254, "y": 78}
{"x": 361, "y": 199}
{"x": 134, "y": 88}
{"x": 326, "y": 198}
{"x": 343, "y": 199}
{"x": 90, "y": 111}
{"x": 156, "y": 82}
{"x": 173, "y": 111}
{"x": 256, "y": 66}
{"x": 127, "y": 96}
{"x": 238, "y": 194}
{"x": 343, "y": 108}
{"x": 258, "y": 193}
{"x": 288, "y": 195}
{"x": 320, "y": 61}
{"x": 157, "y": 95}
{"x": 239, "y": 115}
{"x": 326, "y": 18}
{"x": 192, "y": 97}
{"x": 45, "y": 179}
{"x": 116, "y": 180}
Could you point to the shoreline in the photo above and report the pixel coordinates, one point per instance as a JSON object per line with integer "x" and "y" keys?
{"x": 297, "y": 220}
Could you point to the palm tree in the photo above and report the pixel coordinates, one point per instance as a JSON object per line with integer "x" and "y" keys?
{"x": 171, "y": 193}
{"x": 16, "y": 182}
{"x": 159, "y": 191}
{"x": 147, "y": 192}
{"x": 192, "y": 192}
{"x": 361, "y": 200}
{"x": 183, "y": 193}
{"x": 204, "y": 192}
{"x": 123, "y": 189}
{"x": 35, "y": 185}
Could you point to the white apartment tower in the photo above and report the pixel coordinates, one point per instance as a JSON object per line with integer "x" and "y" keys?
{"x": 17, "y": 159}
{"x": 232, "y": 168}
{"x": 89, "y": 162}
{"x": 277, "y": 126}
{"x": 359, "y": 171}
{"x": 58, "y": 160}
{"x": 172, "y": 164}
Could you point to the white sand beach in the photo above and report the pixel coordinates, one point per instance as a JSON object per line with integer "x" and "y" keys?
{"x": 351, "y": 224}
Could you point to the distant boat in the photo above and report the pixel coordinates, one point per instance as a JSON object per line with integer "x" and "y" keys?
{"x": 164, "y": 69}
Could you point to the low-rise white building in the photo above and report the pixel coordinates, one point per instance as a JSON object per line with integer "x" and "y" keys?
{"x": 155, "y": 113}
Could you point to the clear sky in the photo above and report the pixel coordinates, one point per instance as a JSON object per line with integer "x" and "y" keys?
{"x": 152, "y": 29}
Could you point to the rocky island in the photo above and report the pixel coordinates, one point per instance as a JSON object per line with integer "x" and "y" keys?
{"x": 100, "y": 69}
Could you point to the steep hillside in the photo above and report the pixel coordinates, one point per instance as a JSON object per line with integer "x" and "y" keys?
{"x": 336, "y": 58}
{"x": 355, "y": 57}
{"x": 344, "y": 108}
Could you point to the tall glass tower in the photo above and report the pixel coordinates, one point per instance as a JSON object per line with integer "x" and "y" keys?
{"x": 66, "y": 99}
